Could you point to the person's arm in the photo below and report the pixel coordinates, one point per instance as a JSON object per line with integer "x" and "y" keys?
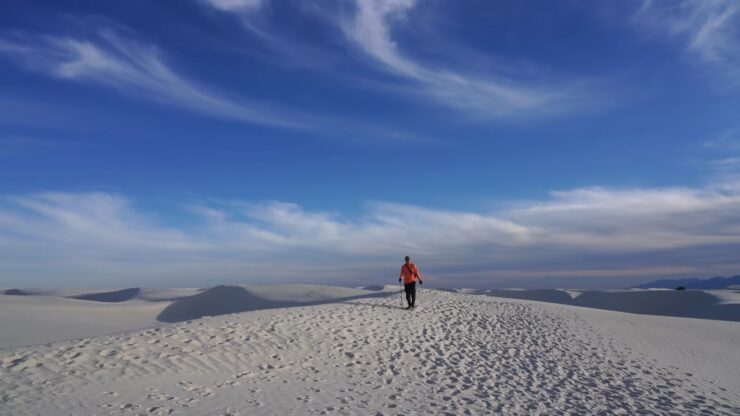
{"x": 400, "y": 276}
{"x": 418, "y": 274}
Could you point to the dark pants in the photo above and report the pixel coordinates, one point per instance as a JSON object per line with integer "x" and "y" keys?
{"x": 410, "y": 289}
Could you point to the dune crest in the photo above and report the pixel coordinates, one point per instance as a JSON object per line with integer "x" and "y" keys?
{"x": 222, "y": 300}
{"x": 679, "y": 303}
{"x": 113, "y": 296}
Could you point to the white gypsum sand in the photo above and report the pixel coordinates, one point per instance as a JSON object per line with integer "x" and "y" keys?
{"x": 357, "y": 352}
{"x": 38, "y": 316}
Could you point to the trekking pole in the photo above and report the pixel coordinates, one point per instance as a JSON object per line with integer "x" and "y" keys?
{"x": 401, "y": 285}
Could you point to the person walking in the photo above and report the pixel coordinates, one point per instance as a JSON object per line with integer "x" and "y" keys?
{"x": 410, "y": 275}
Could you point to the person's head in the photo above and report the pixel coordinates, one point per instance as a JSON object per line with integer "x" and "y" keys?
{"x": 408, "y": 259}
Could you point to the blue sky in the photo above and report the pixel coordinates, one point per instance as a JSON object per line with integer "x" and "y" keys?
{"x": 507, "y": 143}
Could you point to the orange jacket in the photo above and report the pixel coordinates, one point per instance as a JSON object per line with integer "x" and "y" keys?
{"x": 410, "y": 273}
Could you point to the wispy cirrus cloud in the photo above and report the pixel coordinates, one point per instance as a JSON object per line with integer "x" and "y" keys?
{"x": 727, "y": 164}
{"x": 369, "y": 28}
{"x": 235, "y": 5}
{"x": 587, "y": 231}
{"x": 136, "y": 68}
{"x": 727, "y": 140}
{"x": 725, "y": 153}
{"x": 19, "y": 145}
{"x": 490, "y": 96}
{"x": 709, "y": 30}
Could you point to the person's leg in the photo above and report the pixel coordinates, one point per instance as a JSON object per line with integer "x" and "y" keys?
{"x": 408, "y": 288}
{"x": 413, "y": 294}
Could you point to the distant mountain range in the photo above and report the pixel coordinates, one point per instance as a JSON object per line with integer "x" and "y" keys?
{"x": 692, "y": 283}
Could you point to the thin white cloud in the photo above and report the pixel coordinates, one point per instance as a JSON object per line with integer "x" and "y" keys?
{"x": 589, "y": 231}
{"x": 727, "y": 140}
{"x": 19, "y": 145}
{"x": 725, "y": 152}
{"x": 708, "y": 29}
{"x": 643, "y": 219}
{"x": 137, "y": 68}
{"x": 491, "y": 96}
{"x": 235, "y": 5}
{"x": 726, "y": 164}
{"x": 90, "y": 221}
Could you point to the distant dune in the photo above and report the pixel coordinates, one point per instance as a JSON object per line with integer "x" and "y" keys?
{"x": 542, "y": 295}
{"x": 222, "y": 300}
{"x": 692, "y": 283}
{"x": 114, "y": 296}
{"x": 32, "y": 316}
{"x": 721, "y": 305}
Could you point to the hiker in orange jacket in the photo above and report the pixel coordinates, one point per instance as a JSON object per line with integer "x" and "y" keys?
{"x": 410, "y": 275}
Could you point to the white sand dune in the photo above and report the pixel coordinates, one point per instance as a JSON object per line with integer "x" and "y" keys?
{"x": 542, "y": 295}
{"x": 36, "y": 316}
{"x": 106, "y": 295}
{"x": 324, "y": 350}
{"x": 113, "y": 296}
{"x": 28, "y": 320}
{"x": 223, "y": 300}
{"x": 705, "y": 304}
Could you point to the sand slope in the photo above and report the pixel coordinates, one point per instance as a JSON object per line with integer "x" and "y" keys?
{"x": 37, "y": 316}
{"x": 28, "y": 320}
{"x": 456, "y": 354}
